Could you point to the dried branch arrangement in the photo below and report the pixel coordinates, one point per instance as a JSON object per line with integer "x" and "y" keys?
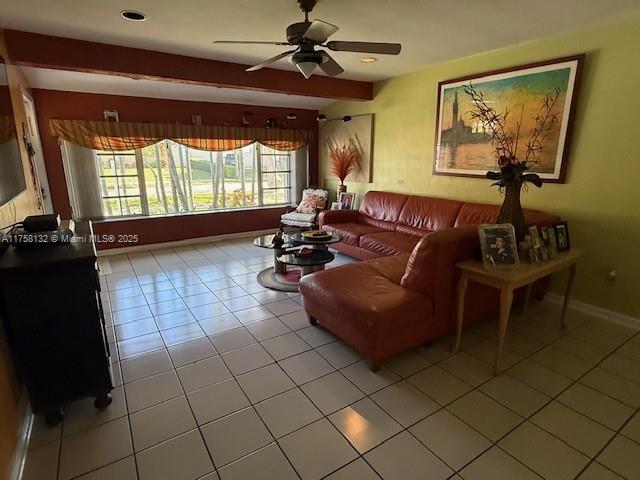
{"x": 343, "y": 159}
{"x": 505, "y": 141}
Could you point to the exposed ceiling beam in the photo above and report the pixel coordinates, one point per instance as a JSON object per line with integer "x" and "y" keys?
{"x": 36, "y": 50}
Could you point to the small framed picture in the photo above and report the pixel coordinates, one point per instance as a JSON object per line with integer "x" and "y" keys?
{"x": 562, "y": 236}
{"x": 499, "y": 246}
{"x": 551, "y": 241}
{"x": 347, "y": 199}
{"x": 536, "y": 236}
{"x": 336, "y": 206}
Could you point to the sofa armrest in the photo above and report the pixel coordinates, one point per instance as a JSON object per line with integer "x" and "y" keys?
{"x": 337, "y": 216}
{"x": 431, "y": 269}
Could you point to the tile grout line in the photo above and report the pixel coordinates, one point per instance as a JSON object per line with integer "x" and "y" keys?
{"x": 175, "y": 370}
{"x": 525, "y": 419}
{"x": 552, "y": 398}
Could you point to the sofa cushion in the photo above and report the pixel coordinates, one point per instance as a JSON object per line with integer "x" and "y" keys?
{"x": 416, "y": 232}
{"x": 391, "y": 267}
{"x": 389, "y": 243}
{"x": 436, "y": 255}
{"x": 351, "y": 231}
{"x": 327, "y": 217}
{"x": 477, "y": 213}
{"x": 298, "y": 219}
{"x": 381, "y": 224}
{"x": 426, "y": 213}
{"x": 384, "y": 206}
{"x": 372, "y": 303}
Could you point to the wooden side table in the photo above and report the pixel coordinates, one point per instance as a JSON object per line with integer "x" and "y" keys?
{"x": 509, "y": 280}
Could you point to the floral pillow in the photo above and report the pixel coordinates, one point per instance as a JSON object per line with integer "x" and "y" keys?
{"x": 312, "y": 199}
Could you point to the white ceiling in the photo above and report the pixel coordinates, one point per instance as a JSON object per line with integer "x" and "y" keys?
{"x": 115, "y": 85}
{"x": 431, "y": 31}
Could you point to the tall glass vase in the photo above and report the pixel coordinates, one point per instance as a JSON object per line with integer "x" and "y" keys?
{"x": 511, "y": 211}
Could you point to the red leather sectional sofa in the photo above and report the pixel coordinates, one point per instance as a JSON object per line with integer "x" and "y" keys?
{"x": 404, "y": 293}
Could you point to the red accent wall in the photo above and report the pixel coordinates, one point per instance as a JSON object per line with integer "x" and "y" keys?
{"x": 87, "y": 106}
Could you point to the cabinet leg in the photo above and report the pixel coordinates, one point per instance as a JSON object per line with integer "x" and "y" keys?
{"x": 506, "y": 299}
{"x": 54, "y": 417}
{"x": 102, "y": 401}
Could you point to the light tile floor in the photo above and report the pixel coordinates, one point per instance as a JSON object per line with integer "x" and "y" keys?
{"x": 218, "y": 378}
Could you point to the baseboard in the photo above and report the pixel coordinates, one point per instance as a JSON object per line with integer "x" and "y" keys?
{"x": 20, "y": 455}
{"x": 182, "y": 243}
{"x": 594, "y": 310}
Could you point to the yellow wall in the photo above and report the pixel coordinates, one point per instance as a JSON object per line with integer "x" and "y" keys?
{"x": 601, "y": 199}
{"x": 12, "y": 400}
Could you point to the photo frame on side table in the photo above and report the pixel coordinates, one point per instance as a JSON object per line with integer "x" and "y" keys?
{"x": 336, "y": 206}
{"x": 562, "y": 236}
{"x": 348, "y": 200}
{"x": 498, "y": 245}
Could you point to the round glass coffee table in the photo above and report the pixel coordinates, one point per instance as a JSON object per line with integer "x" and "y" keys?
{"x": 308, "y": 263}
{"x": 284, "y": 279}
{"x": 277, "y": 277}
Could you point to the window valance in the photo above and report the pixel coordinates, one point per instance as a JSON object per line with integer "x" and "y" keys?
{"x": 119, "y": 136}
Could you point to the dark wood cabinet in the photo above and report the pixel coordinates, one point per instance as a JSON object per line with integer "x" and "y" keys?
{"x": 51, "y": 310}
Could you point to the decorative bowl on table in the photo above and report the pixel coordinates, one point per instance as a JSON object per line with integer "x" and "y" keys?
{"x": 304, "y": 252}
{"x": 316, "y": 234}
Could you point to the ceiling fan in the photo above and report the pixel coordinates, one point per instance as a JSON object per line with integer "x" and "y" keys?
{"x": 306, "y": 36}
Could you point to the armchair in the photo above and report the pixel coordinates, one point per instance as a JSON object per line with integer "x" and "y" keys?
{"x": 305, "y": 215}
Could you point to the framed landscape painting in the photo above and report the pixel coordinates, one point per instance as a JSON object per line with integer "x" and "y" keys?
{"x": 463, "y": 145}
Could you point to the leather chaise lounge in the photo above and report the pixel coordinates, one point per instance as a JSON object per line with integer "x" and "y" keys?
{"x": 403, "y": 294}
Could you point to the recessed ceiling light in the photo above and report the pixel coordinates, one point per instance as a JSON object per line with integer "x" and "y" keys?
{"x": 133, "y": 15}
{"x": 368, "y": 59}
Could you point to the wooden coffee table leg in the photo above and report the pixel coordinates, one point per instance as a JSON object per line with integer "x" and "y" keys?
{"x": 506, "y": 299}
{"x": 567, "y": 294}
{"x": 462, "y": 290}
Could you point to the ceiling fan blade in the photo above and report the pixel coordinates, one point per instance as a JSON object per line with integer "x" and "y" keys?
{"x": 319, "y": 31}
{"x": 329, "y": 65}
{"x": 365, "y": 47}
{"x": 270, "y": 61}
{"x": 248, "y": 42}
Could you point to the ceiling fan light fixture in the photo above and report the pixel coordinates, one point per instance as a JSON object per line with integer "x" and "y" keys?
{"x": 307, "y": 35}
{"x": 306, "y": 68}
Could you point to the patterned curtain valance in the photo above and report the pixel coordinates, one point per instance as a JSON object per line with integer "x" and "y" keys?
{"x": 119, "y": 136}
{"x": 7, "y": 128}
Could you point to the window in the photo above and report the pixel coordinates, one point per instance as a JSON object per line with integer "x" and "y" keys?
{"x": 275, "y": 169}
{"x": 120, "y": 185}
{"x": 169, "y": 178}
